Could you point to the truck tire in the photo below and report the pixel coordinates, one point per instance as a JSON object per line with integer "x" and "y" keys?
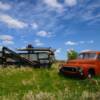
{"x": 91, "y": 73}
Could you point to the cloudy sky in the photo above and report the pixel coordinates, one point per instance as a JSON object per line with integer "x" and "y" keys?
{"x": 60, "y": 24}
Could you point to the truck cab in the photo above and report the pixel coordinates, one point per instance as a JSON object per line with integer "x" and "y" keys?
{"x": 87, "y": 64}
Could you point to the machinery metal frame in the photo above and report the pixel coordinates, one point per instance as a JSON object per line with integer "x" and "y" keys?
{"x": 25, "y": 57}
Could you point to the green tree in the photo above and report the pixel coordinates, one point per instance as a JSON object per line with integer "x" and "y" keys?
{"x": 72, "y": 54}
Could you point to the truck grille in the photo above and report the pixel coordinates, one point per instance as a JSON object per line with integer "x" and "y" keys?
{"x": 70, "y": 69}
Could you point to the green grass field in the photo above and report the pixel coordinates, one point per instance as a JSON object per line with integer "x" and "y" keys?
{"x": 45, "y": 84}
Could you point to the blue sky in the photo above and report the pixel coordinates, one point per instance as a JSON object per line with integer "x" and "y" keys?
{"x": 60, "y": 24}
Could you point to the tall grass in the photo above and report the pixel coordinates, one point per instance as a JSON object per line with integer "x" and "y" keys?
{"x": 44, "y": 84}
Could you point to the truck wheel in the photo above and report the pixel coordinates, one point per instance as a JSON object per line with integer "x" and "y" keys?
{"x": 91, "y": 73}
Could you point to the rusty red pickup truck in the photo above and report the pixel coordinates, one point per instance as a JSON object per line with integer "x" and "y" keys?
{"x": 87, "y": 64}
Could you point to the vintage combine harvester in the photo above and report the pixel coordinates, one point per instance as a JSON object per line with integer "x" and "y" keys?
{"x": 29, "y": 56}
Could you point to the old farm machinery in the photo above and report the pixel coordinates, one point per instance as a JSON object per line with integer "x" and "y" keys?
{"x": 29, "y": 56}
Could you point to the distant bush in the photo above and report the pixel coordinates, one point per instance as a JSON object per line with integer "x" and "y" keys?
{"x": 72, "y": 54}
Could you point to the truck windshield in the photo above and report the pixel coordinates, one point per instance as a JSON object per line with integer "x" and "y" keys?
{"x": 87, "y": 56}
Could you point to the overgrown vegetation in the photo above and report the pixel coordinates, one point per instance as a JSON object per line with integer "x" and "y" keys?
{"x": 45, "y": 84}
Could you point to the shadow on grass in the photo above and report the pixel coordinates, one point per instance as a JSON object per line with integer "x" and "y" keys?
{"x": 71, "y": 77}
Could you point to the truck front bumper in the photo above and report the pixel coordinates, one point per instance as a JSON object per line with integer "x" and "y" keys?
{"x": 72, "y": 73}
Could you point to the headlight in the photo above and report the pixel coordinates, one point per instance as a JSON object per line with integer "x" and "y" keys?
{"x": 79, "y": 69}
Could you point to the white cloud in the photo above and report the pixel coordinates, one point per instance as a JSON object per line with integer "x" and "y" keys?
{"x": 8, "y": 42}
{"x": 70, "y": 43}
{"x": 82, "y": 42}
{"x": 37, "y": 42}
{"x": 4, "y": 6}
{"x": 90, "y": 42}
{"x": 6, "y": 37}
{"x": 58, "y": 51}
{"x": 86, "y": 42}
{"x": 53, "y": 4}
{"x": 43, "y": 34}
{"x": 87, "y": 15}
{"x": 25, "y": 41}
{"x": 71, "y": 2}
{"x": 11, "y": 22}
{"x": 34, "y": 25}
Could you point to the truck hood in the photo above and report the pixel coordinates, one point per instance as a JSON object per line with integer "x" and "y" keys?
{"x": 80, "y": 62}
